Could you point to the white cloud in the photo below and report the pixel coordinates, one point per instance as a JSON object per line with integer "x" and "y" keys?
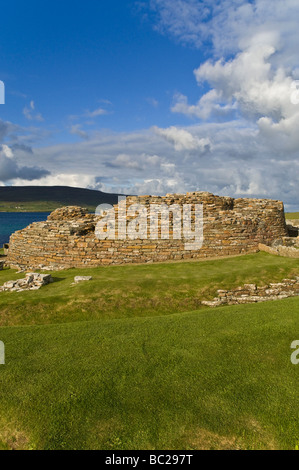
{"x": 233, "y": 167}
{"x": 183, "y": 139}
{"x": 6, "y": 151}
{"x": 10, "y": 168}
{"x": 97, "y": 112}
{"x": 250, "y": 78}
{"x": 62, "y": 179}
{"x": 76, "y": 130}
{"x": 247, "y": 137}
{"x": 30, "y": 115}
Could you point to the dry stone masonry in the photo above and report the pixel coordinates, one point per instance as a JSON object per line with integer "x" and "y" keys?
{"x": 286, "y": 246}
{"x": 67, "y": 238}
{"x": 250, "y": 293}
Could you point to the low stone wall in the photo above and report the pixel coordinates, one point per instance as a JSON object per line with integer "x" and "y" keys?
{"x": 250, "y": 293}
{"x": 67, "y": 238}
{"x": 280, "y": 250}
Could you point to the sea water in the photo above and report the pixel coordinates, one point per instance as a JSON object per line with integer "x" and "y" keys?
{"x": 12, "y": 221}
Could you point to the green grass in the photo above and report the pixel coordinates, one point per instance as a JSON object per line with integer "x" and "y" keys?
{"x": 292, "y": 215}
{"x": 36, "y": 206}
{"x": 205, "y": 379}
{"x": 136, "y": 291}
{"x": 130, "y": 361}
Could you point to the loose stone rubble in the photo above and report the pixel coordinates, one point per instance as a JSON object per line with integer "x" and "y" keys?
{"x": 82, "y": 278}
{"x": 32, "y": 281}
{"x": 251, "y": 293}
{"x": 67, "y": 238}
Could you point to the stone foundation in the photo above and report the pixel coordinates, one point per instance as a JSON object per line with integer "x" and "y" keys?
{"x": 67, "y": 238}
{"x": 250, "y": 293}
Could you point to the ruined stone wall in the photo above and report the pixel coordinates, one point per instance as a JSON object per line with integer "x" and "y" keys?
{"x": 67, "y": 238}
{"x": 251, "y": 293}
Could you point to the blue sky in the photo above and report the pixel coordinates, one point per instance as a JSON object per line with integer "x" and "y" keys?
{"x": 73, "y": 58}
{"x": 151, "y": 96}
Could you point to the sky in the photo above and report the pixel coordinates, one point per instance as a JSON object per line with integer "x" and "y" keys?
{"x": 152, "y": 97}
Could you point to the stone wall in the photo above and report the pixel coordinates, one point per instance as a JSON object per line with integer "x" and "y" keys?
{"x": 293, "y": 227}
{"x": 281, "y": 250}
{"x": 67, "y": 238}
{"x": 251, "y": 293}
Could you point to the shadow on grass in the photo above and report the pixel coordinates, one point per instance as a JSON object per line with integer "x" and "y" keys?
{"x": 58, "y": 279}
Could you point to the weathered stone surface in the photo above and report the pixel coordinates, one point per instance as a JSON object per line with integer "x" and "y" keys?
{"x": 1, "y": 265}
{"x": 250, "y": 293}
{"x": 32, "y": 281}
{"x": 281, "y": 250}
{"x": 67, "y": 238}
{"x": 67, "y": 213}
{"x": 82, "y": 278}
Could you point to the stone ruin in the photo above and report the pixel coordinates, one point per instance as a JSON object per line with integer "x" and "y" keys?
{"x": 251, "y": 293}
{"x": 32, "y": 281}
{"x": 67, "y": 238}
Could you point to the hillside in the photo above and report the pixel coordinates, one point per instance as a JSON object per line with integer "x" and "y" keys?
{"x": 48, "y": 198}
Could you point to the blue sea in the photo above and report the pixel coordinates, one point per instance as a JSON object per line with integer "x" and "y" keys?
{"x": 12, "y": 221}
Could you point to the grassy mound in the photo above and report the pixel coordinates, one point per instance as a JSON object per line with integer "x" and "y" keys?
{"x": 136, "y": 291}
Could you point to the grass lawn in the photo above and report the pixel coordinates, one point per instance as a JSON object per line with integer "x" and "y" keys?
{"x": 36, "y": 206}
{"x": 130, "y": 361}
{"x": 292, "y": 215}
{"x": 137, "y": 290}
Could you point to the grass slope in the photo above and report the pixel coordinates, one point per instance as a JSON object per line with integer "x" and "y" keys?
{"x": 128, "y": 361}
{"x": 142, "y": 290}
{"x": 292, "y": 215}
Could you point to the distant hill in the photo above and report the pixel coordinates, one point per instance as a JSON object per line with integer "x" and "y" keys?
{"x": 48, "y": 198}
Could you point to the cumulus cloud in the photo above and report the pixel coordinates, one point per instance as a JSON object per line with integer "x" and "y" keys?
{"x": 228, "y": 25}
{"x": 61, "y": 179}
{"x": 183, "y": 139}
{"x": 246, "y": 131}
{"x": 10, "y": 169}
{"x": 139, "y": 162}
{"x": 250, "y": 80}
{"x": 258, "y": 80}
{"x": 234, "y": 166}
